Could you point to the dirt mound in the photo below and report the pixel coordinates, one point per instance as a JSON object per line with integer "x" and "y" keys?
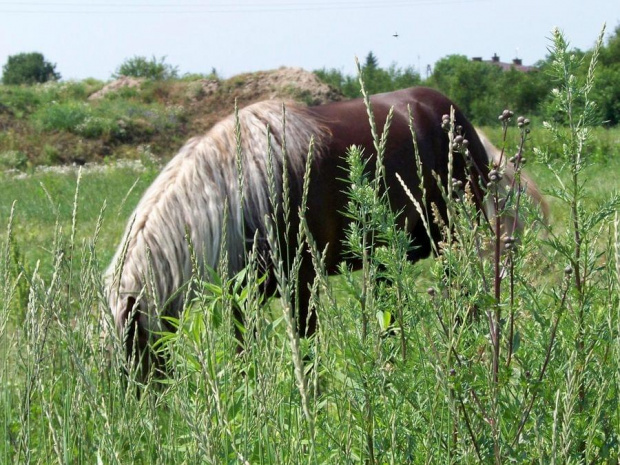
{"x": 212, "y": 100}
{"x": 123, "y": 81}
{"x": 159, "y": 115}
{"x": 294, "y": 83}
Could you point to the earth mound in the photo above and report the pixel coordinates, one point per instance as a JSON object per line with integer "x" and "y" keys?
{"x": 123, "y": 81}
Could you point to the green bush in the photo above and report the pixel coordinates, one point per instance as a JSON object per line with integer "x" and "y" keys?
{"x": 201, "y": 76}
{"x": 69, "y": 90}
{"x": 50, "y": 155}
{"x": 125, "y": 93}
{"x": 21, "y": 101}
{"x": 64, "y": 116}
{"x": 142, "y": 67}
{"x": 28, "y": 68}
{"x": 13, "y": 159}
{"x": 116, "y": 119}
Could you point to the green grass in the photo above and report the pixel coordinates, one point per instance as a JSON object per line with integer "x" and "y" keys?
{"x": 603, "y": 147}
{"x": 601, "y": 169}
{"x": 44, "y": 200}
{"x": 64, "y": 398}
{"x": 484, "y": 367}
{"x": 46, "y": 197}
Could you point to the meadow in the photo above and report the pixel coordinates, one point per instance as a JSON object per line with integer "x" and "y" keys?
{"x": 426, "y": 366}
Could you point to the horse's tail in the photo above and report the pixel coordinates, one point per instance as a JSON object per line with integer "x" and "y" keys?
{"x": 512, "y": 221}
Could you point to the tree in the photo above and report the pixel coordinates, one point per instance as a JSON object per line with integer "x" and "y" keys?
{"x": 376, "y": 79}
{"x": 142, "y": 67}
{"x": 371, "y": 63}
{"x": 524, "y": 92}
{"x": 348, "y": 85}
{"x": 610, "y": 53}
{"x": 28, "y": 68}
{"x": 606, "y": 92}
{"x": 473, "y": 85}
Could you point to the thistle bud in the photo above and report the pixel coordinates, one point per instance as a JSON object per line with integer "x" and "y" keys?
{"x": 506, "y": 115}
{"x": 495, "y": 175}
{"x": 445, "y": 122}
{"x": 522, "y": 122}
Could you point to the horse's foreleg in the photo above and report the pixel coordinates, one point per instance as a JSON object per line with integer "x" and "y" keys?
{"x": 307, "y": 319}
{"x": 137, "y": 341}
{"x": 239, "y": 325}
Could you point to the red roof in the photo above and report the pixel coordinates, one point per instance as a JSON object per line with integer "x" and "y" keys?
{"x": 517, "y": 64}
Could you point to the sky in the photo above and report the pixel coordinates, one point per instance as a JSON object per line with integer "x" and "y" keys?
{"x": 91, "y": 38}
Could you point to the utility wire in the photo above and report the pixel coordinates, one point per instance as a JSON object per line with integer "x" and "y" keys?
{"x": 183, "y": 8}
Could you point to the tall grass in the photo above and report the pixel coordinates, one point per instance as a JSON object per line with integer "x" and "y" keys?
{"x": 509, "y": 358}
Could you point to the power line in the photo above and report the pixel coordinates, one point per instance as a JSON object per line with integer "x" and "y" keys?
{"x": 183, "y": 8}
{"x": 252, "y": 5}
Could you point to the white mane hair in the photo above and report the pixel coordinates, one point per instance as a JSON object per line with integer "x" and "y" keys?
{"x": 188, "y": 199}
{"x": 511, "y": 220}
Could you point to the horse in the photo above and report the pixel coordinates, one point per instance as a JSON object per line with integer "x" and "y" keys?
{"x": 197, "y": 196}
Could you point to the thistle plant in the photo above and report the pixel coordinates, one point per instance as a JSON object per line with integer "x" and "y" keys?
{"x": 582, "y": 247}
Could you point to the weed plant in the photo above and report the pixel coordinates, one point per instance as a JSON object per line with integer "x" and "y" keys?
{"x": 497, "y": 358}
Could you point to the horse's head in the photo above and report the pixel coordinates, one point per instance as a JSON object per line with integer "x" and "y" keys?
{"x": 133, "y": 317}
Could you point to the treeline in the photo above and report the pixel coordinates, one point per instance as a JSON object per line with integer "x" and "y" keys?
{"x": 484, "y": 89}
{"x": 481, "y": 89}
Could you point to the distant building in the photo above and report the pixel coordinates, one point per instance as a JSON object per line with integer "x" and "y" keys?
{"x": 517, "y": 64}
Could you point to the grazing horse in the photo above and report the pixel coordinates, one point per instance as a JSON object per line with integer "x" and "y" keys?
{"x": 199, "y": 190}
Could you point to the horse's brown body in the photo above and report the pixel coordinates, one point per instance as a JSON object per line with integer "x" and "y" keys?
{"x": 347, "y": 124}
{"x": 190, "y": 194}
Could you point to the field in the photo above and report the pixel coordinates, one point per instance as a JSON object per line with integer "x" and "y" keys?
{"x": 478, "y": 367}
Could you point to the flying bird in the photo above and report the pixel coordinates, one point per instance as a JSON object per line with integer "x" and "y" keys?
{"x": 395, "y": 35}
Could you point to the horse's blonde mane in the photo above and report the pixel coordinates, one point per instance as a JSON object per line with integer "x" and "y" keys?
{"x": 189, "y": 198}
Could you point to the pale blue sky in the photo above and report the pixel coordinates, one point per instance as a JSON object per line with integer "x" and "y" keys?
{"x": 90, "y": 38}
